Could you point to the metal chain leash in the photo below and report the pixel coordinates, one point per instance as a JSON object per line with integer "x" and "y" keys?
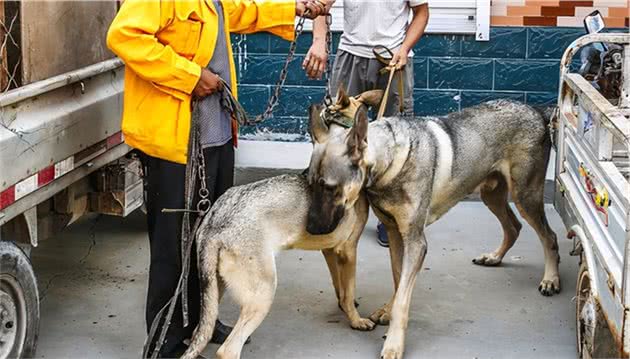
{"x": 329, "y": 48}
{"x": 275, "y": 96}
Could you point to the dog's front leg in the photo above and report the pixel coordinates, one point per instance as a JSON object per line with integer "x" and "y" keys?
{"x": 347, "y": 265}
{"x": 414, "y": 251}
{"x": 382, "y": 315}
{"x": 331, "y": 262}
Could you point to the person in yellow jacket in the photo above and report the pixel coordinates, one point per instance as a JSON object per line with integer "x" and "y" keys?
{"x": 174, "y": 50}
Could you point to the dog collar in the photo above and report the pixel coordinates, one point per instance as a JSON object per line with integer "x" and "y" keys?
{"x": 339, "y": 119}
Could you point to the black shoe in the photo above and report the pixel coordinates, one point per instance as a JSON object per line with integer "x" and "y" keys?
{"x": 178, "y": 351}
{"x": 381, "y": 235}
{"x": 221, "y": 332}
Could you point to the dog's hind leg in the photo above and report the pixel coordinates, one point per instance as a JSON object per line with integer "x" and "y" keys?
{"x": 209, "y": 286}
{"x": 494, "y": 193}
{"x": 253, "y": 287}
{"x": 527, "y": 191}
{"x": 415, "y": 249}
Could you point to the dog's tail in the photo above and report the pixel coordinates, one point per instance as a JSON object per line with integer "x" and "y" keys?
{"x": 208, "y": 282}
{"x": 548, "y": 113}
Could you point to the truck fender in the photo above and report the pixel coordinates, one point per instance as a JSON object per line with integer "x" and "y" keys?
{"x": 589, "y": 257}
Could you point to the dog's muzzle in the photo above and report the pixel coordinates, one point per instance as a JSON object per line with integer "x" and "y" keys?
{"x": 323, "y": 215}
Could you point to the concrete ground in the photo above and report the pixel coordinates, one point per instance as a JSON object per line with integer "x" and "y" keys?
{"x": 93, "y": 282}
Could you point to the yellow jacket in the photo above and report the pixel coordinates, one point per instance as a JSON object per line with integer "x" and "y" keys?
{"x": 164, "y": 44}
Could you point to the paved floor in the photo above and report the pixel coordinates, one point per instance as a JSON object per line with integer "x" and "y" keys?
{"x": 93, "y": 280}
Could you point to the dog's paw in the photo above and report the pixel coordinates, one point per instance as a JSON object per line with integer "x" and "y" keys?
{"x": 381, "y": 316}
{"x": 487, "y": 259}
{"x": 363, "y": 324}
{"x": 392, "y": 353}
{"x": 549, "y": 287}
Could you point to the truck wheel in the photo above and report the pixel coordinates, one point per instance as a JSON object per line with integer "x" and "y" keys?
{"x": 19, "y": 303}
{"x": 594, "y": 338}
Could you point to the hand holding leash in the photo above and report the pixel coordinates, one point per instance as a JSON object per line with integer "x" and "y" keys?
{"x": 400, "y": 58}
{"x": 393, "y": 64}
{"x": 208, "y": 84}
{"x": 312, "y": 8}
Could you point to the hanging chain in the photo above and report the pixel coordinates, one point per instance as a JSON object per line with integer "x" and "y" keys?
{"x": 203, "y": 205}
{"x": 329, "y": 49}
{"x": 275, "y": 96}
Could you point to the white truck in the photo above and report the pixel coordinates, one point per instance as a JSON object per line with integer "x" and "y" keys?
{"x": 61, "y": 149}
{"x": 592, "y": 185}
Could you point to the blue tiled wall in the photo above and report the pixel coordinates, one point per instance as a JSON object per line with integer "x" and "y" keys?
{"x": 451, "y": 72}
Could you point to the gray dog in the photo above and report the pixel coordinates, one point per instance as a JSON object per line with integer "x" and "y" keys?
{"x": 415, "y": 170}
{"x": 237, "y": 242}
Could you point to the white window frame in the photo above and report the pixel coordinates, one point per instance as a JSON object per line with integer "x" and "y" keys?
{"x": 446, "y": 17}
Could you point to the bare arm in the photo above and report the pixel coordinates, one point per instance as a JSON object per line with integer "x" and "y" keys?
{"x": 316, "y": 59}
{"x": 414, "y": 33}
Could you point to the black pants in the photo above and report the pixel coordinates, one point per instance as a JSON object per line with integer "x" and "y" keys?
{"x": 164, "y": 184}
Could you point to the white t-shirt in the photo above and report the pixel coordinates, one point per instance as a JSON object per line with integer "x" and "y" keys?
{"x": 367, "y": 23}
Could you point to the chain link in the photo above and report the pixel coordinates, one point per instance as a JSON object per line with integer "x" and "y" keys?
{"x": 275, "y": 96}
{"x": 203, "y": 205}
{"x": 329, "y": 49}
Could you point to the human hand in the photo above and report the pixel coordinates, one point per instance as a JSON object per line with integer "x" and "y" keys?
{"x": 316, "y": 60}
{"x": 208, "y": 84}
{"x": 312, "y": 8}
{"x": 400, "y": 58}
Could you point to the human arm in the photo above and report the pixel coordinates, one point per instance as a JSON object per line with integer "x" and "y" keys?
{"x": 414, "y": 33}
{"x": 132, "y": 36}
{"x": 316, "y": 58}
{"x": 274, "y": 16}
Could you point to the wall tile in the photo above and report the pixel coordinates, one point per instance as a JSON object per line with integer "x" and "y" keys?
{"x": 278, "y": 45}
{"x": 265, "y": 69}
{"x": 438, "y": 45}
{"x": 253, "y": 98}
{"x": 506, "y": 21}
{"x": 539, "y": 21}
{"x": 550, "y": 43}
{"x": 295, "y": 100}
{"x": 471, "y": 98}
{"x": 460, "y": 73}
{"x": 432, "y": 102}
{"x": 531, "y": 10}
{"x": 253, "y": 43}
{"x": 526, "y": 75}
{"x": 277, "y": 125}
{"x": 508, "y": 42}
{"x": 260, "y": 69}
{"x": 420, "y": 72}
{"x": 541, "y": 98}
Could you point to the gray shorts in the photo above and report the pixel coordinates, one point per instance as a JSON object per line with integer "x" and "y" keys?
{"x": 360, "y": 74}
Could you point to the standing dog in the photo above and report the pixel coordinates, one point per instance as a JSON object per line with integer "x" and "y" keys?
{"x": 237, "y": 242}
{"x": 415, "y": 170}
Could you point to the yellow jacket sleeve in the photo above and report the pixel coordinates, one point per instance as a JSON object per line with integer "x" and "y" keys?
{"x": 131, "y": 36}
{"x": 274, "y": 16}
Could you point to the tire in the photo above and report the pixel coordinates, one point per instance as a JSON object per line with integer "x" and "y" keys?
{"x": 582, "y": 294}
{"x": 594, "y": 338}
{"x": 19, "y": 303}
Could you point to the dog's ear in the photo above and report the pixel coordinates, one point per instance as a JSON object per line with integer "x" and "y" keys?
{"x": 318, "y": 128}
{"x": 371, "y": 98}
{"x": 357, "y": 138}
{"x": 342, "y": 98}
